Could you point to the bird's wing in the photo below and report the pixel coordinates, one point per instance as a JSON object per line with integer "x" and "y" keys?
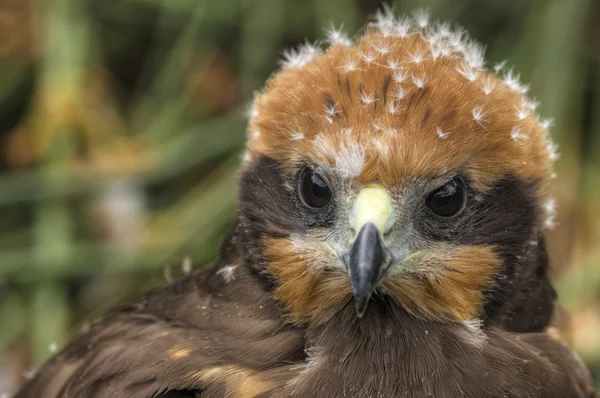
{"x": 541, "y": 362}
{"x": 572, "y": 366}
{"x": 197, "y": 335}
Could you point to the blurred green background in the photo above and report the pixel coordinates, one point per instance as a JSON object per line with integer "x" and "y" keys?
{"x": 122, "y": 126}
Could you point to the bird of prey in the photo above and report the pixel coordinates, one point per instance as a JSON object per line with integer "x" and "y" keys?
{"x": 388, "y": 242}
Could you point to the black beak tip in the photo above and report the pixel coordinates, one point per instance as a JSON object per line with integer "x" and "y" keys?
{"x": 366, "y": 262}
{"x": 361, "y": 302}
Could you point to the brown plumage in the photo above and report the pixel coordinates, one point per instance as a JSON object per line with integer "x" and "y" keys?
{"x": 388, "y": 243}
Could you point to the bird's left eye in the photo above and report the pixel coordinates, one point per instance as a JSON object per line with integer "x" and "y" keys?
{"x": 313, "y": 190}
{"x": 448, "y": 200}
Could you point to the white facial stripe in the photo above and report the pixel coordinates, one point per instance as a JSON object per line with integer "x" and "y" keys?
{"x": 350, "y": 160}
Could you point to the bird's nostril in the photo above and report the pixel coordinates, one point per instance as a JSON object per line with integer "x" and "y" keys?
{"x": 390, "y": 223}
{"x": 388, "y": 228}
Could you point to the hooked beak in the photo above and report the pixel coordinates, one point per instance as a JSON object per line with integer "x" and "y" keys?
{"x": 368, "y": 258}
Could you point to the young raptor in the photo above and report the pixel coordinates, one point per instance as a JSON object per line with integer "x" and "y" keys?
{"x": 388, "y": 243}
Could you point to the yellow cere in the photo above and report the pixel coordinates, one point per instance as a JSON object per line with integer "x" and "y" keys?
{"x": 373, "y": 204}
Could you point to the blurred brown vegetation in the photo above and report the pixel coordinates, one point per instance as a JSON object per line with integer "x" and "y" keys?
{"x": 122, "y": 123}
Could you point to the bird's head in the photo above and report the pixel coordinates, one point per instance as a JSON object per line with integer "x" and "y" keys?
{"x": 393, "y": 166}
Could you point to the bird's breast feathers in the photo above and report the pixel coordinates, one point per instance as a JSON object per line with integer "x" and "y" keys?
{"x": 236, "y": 343}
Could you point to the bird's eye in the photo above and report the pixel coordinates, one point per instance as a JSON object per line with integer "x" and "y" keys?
{"x": 448, "y": 200}
{"x": 313, "y": 190}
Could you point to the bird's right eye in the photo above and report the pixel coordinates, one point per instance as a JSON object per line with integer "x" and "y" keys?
{"x": 313, "y": 190}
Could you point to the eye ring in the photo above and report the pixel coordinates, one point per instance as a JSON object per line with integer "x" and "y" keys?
{"x": 313, "y": 190}
{"x": 449, "y": 200}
